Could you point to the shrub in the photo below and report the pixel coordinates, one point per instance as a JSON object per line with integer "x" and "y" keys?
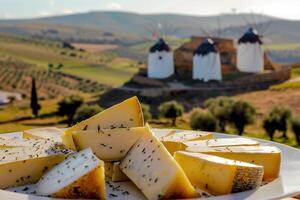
{"x": 203, "y": 120}
{"x": 295, "y": 124}
{"x": 281, "y": 117}
{"x": 171, "y": 110}
{"x": 146, "y": 112}
{"x": 68, "y": 106}
{"x": 241, "y": 115}
{"x": 221, "y": 108}
{"x": 86, "y": 111}
{"x": 270, "y": 124}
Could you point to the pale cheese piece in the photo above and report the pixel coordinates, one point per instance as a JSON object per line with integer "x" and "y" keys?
{"x": 126, "y": 114}
{"x": 267, "y": 156}
{"x": 47, "y": 133}
{"x": 219, "y": 176}
{"x": 81, "y": 175}
{"x": 174, "y": 141}
{"x": 24, "y": 165}
{"x": 221, "y": 142}
{"x": 154, "y": 171}
{"x": 109, "y": 144}
{"x": 117, "y": 174}
{"x": 6, "y": 142}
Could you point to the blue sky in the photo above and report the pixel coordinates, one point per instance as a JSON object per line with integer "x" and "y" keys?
{"x": 38, "y": 8}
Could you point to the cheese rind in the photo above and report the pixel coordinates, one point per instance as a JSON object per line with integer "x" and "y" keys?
{"x": 221, "y": 142}
{"x": 219, "y": 176}
{"x": 267, "y": 156}
{"x": 81, "y": 175}
{"x": 175, "y": 141}
{"x": 25, "y": 165}
{"x": 109, "y": 144}
{"x": 154, "y": 171}
{"x": 125, "y": 114}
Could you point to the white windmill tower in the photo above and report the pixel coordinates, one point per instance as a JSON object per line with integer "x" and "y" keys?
{"x": 160, "y": 60}
{"x": 206, "y": 62}
{"x": 250, "y": 53}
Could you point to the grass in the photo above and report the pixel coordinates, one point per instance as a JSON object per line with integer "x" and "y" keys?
{"x": 281, "y": 47}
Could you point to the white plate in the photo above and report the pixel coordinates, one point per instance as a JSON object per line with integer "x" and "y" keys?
{"x": 287, "y": 185}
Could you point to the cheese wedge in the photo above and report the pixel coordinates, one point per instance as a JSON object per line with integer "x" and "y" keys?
{"x": 174, "y": 142}
{"x": 219, "y": 176}
{"x": 267, "y": 156}
{"x": 109, "y": 144}
{"x": 6, "y": 142}
{"x": 81, "y": 175}
{"x": 108, "y": 167}
{"x": 154, "y": 171}
{"x": 24, "y": 165}
{"x": 48, "y": 133}
{"x": 221, "y": 142}
{"x": 117, "y": 174}
{"x": 113, "y": 171}
{"x": 126, "y": 114}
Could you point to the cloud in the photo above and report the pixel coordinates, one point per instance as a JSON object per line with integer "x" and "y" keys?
{"x": 68, "y": 11}
{"x": 113, "y": 6}
{"x": 44, "y": 13}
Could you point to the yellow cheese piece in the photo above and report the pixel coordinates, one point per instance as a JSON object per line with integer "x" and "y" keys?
{"x": 221, "y": 142}
{"x": 267, "y": 156}
{"x": 108, "y": 167}
{"x": 174, "y": 142}
{"x": 25, "y": 165}
{"x": 117, "y": 174}
{"x": 81, "y": 175}
{"x": 48, "y": 133}
{"x": 126, "y": 114}
{"x": 219, "y": 176}
{"x": 149, "y": 165}
{"x": 109, "y": 144}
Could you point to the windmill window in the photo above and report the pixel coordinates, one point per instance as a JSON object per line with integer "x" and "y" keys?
{"x": 160, "y": 57}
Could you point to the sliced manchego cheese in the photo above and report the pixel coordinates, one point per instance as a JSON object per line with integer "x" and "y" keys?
{"x": 267, "y": 156}
{"x": 221, "y": 142}
{"x": 24, "y": 165}
{"x": 174, "y": 141}
{"x": 113, "y": 171}
{"x": 154, "y": 171}
{"x": 126, "y": 114}
{"x": 48, "y": 133}
{"x": 219, "y": 176}
{"x": 109, "y": 144}
{"x": 117, "y": 174}
{"x": 7, "y": 142}
{"x": 81, "y": 175}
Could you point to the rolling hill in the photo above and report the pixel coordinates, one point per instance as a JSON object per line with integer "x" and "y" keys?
{"x": 124, "y": 27}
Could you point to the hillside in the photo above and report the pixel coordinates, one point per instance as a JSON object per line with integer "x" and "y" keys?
{"x": 124, "y": 27}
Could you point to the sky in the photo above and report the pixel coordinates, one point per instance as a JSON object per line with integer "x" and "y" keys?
{"x": 10, "y": 9}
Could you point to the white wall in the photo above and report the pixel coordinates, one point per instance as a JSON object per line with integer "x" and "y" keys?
{"x": 207, "y": 67}
{"x": 160, "y": 68}
{"x": 250, "y": 57}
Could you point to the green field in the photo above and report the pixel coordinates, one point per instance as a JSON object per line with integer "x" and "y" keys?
{"x": 280, "y": 47}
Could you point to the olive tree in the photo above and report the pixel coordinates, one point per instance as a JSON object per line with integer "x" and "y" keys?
{"x": 171, "y": 110}
{"x": 86, "y": 111}
{"x": 68, "y": 106}
{"x": 203, "y": 120}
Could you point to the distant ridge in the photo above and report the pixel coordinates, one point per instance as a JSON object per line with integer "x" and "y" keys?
{"x": 118, "y": 26}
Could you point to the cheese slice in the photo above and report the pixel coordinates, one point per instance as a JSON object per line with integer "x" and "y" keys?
{"x": 81, "y": 175}
{"x": 108, "y": 167}
{"x": 174, "y": 141}
{"x": 219, "y": 176}
{"x": 117, "y": 174}
{"x": 267, "y": 156}
{"x": 24, "y": 165}
{"x": 48, "y": 133}
{"x": 221, "y": 142}
{"x": 154, "y": 171}
{"x": 7, "y": 142}
{"x": 126, "y": 114}
{"x": 109, "y": 144}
